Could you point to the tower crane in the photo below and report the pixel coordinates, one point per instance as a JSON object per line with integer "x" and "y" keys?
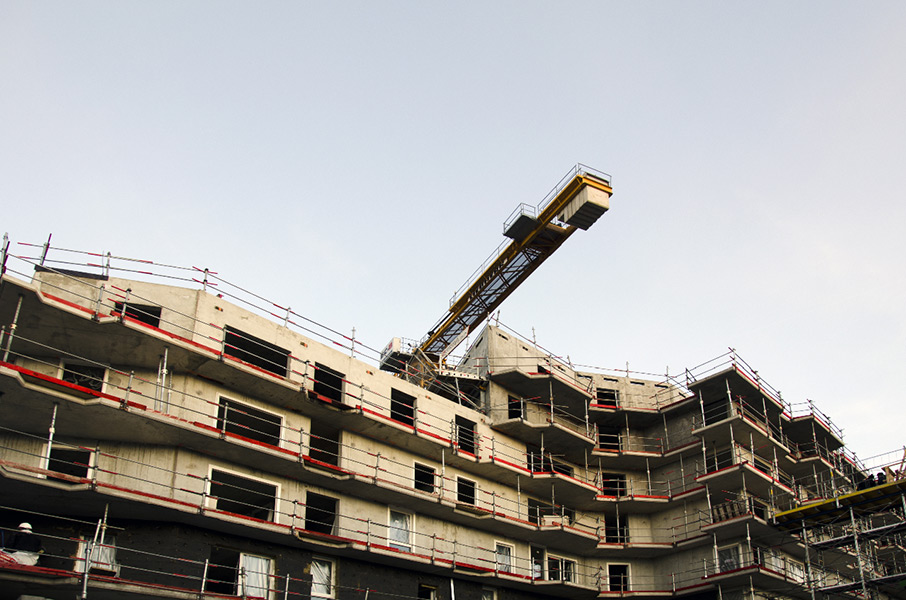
{"x": 534, "y": 233}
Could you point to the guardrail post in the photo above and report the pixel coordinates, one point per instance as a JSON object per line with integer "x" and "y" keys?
{"x": 97, "y": 306}
{"x": 204, "y": 578}
{"x": 124, "y": 404}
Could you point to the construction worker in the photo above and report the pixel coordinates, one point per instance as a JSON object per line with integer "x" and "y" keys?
{"x": 25, "y": 546}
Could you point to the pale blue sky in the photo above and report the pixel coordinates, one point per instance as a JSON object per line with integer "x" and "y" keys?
{"x": 356, "y": 160}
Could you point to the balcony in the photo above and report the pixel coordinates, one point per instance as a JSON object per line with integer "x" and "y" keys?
{"x": 546, "y": 425}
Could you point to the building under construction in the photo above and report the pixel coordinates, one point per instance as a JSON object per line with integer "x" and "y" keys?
{"x": 168, "y": 434}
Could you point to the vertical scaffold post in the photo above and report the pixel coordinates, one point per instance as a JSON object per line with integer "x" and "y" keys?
{"x": 4, "y": 252}
{"x": 99, "y": 303}
{"x": 808, "y": 563}
{"x": 852, "y": 519}
{"x": 46, "y": 248}
{"x": 50, "y": 432}
{"x": 125, "y": 306}
{"x": 12, "y": 329}
{"x": 87, "y": 564}
{"x": 204, "y": 578}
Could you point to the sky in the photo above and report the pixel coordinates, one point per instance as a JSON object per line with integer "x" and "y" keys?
{"x": 356, "y": 161}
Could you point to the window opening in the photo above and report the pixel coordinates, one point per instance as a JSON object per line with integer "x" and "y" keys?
{"x": 399, "y": 531}
{"x": 618, "y": 578}
{"x": 244, "y": 420}
{"x": 323, "y": 573}
{"x": 465, "y": 490}
{"x": 613, "y": 484}
{"x": 537, "y": 562}
{"x": 715, "y": 411}
{"x": 504, "y": 558}
{"x": 728, "y": 558}
{"x": 320, "y": 513}
{"x": 243, "y": 496}
{"x": 402, "y": 407}
{"x": 328, "y": 383}
{"x": 255, "y": 351}
{"x": 488, "y": 594}
{"x": 236, "y": 573}
{"x": 465, "y": 434}
{"x": 607, "y": 396}
{"x": 324, "y": 443}
{"x": 69, "y": 461}
{"x": 424, "y": 478}
{"x": 540, "y": 512}
{"x": 720, "y": 459}
{"x": 143, "y": 313}
{"x": 562, "y": 468}
{"x": 254, "y": 576}
{"x": 427, "y": 592}
{"x": 608, "y": 438}
{"x": 539, "y": 462}
{"x": 560, "y": 569}
{"x": 515, "y": 408}
{"x": 616, "y": 530}
{"x": 87, "y": 376}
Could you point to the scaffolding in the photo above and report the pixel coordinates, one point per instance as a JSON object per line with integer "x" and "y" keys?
{"x": 856, "y": 541}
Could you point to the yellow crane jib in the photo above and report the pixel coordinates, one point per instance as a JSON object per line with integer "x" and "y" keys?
{"x": 581, "y": 197}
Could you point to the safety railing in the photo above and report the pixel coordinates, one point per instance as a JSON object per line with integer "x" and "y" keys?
{"x": 749, "y": 413}
{"x": 621, "y": 442}
{"x": 808, "y": 409}
{"x": 94, "y": 465}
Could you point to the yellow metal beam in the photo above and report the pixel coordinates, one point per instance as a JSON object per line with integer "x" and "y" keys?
{"x": 521, "y": 257}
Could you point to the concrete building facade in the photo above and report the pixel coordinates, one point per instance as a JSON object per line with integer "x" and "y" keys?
{"x": 193, "y": 440}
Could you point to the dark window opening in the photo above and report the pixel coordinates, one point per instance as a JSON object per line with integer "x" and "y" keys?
{"x": 608, "y": 438}
{"x": 537, "y": 554}
{"x": 618, "y": 578}
{"x": 607, "y": 396}
{"x": 243, "y": 496}
{"x": 87, "y": 376}
{"x": 515, "y": 408}
{"x": 143, "y": 313}
{"x": 465, "y": 490}
{"x": 616, "y": 530}
{"x": 562, "y": 468}
{"x": 538, "y": 462}
{"x": 613, "y": 484}
{"x": 320, "y": 513}
{"x": 241, "y": 419}
{"x": 402, "y": 407}
{"x": 424, "y": 478}
{"x": 69, "y": 461}
{"x": 324, "y": 443}
{"x": 715, "y": 412}
{"x": 223, "y": 571}
{"x": 426, "y": 592}
{"x": 465, "y": 434}
{"x": 255, "y": 351}
{"x": 543, "y": 370}
{"x": 328, "y": 383}
{"x": 720, "y": 459}
{"x": 537, "y": 510}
